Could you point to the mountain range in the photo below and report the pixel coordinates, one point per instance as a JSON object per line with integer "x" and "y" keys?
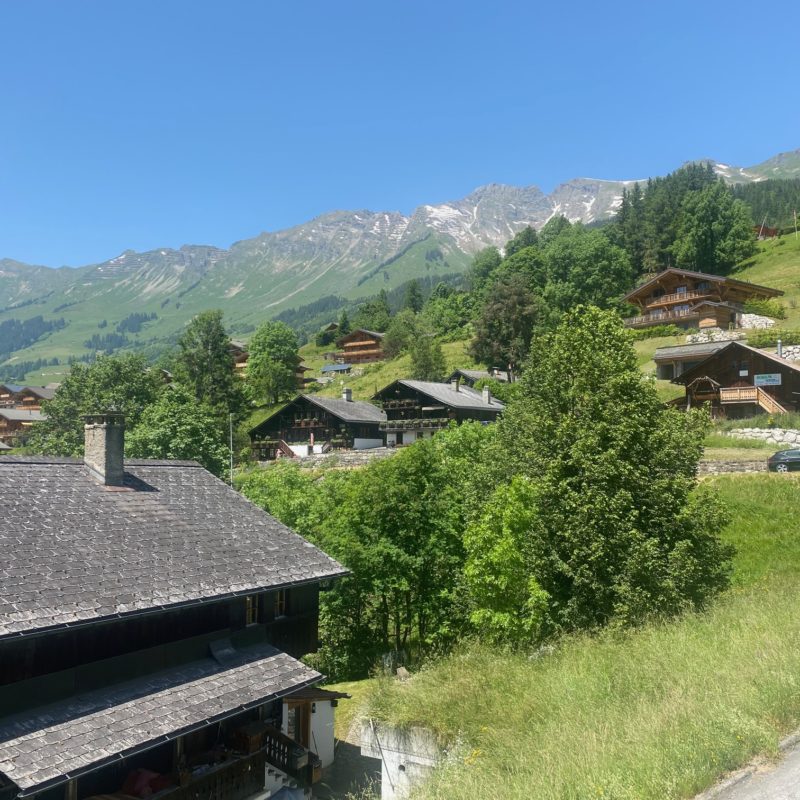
{"x": 350, "y": 254}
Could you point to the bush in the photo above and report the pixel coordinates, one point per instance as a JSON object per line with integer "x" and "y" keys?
{"x": 766, "y": 308}
{"x": 769, "y": 337}
{"x": 657, "y": 331}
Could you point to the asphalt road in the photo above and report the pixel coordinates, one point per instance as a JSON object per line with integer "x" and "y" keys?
{"x": 774, "y": 782}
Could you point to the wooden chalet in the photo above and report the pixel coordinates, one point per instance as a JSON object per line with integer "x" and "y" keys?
{"x": 14, "y": 395}
{"x": 693, "y": 300}
{"x": 151, "y": 626}
{"x": 418, "y": 409}
{"x": 359, "y": 347}
{"x": 312, "y": 424}
{"x": 739, "y": 381}
{"x": 16, "y": 423}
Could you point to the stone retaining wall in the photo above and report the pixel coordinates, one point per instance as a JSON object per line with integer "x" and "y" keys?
{"x": 344, "y": 459}
{"x": 722, "y": 467}
{"x": 770, "y": 435}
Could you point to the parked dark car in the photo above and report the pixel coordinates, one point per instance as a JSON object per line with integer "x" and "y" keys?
{"x": 784, "y": 461}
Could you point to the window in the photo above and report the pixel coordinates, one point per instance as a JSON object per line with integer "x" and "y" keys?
{"x": 280, "y": 603}
{"x": 251, "y": 610}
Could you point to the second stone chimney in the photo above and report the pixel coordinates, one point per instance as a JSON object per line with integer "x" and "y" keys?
{"x": 487, "y": 395}
{"x": 347, "y": 394}
{"x": 104, "y": 447}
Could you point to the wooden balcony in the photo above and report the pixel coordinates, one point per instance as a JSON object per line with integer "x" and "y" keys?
{"x": 752, "y": 394}
{"x": 680, "y": 297}
{"x": 659, "y": 318}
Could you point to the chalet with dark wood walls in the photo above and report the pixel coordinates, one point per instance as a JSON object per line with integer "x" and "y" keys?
{"x": 693, "y": 300}
{"x": 16, "y": 424}
{"x": 418, "y": 409}
{"x": 740, "y": 381}
{"x": 360, "y": 347}
{"x": 312, "y": 424}
{"x": 151, "y": 622}
{"x": 14, "y": 395}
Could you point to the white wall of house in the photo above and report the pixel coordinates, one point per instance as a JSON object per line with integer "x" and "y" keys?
{"x": 366, "y": 444}
{"x": 322, "y": 740}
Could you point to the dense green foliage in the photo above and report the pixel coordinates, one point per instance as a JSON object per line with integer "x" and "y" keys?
{"x": 205, "y": 364}
{"x": 766, "y": 308}
{"x": 271, "y": 363}
{"x": 592, "y": 454}
{"x": 124, "y": 383}
{"x": 771, "y": 202}
{"x": 768, "y": 337}
{"x": 175, "y": 426}
{"x": 689, "y": 218}
{"x": 427, "y": 358}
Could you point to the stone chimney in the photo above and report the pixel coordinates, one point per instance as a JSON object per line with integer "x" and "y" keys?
{"x": 104, "y": 447}
{"x": 347, "y": 394}
{"x": 455, "y": 383}
{"x": 487, "y": 395}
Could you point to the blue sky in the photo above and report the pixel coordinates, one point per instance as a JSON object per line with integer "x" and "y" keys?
{"x": 148, "y": 124}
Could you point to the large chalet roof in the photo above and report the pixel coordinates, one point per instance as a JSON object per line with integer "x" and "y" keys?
{"x": 42, "y": 392}
{"x": 21, "y": 415}
{"x": 348, "y": 410}
{"x": 88, "y": 731}
{"x": 704, "y": 276}
{"x": 465, "y": 397}
{"x": 348, "y": 336}
{"x": 700, "y": 350}
{"x": 698, "y": 369}
{"x": 76, "y": 551}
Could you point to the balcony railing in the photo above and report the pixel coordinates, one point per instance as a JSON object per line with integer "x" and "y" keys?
{"x": 414, "y": 424}
{"x": 677, "y": 297}
{"x": 659, "y": 318}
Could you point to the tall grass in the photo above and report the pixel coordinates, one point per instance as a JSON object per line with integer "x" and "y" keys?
{"x": 659, "y": 712}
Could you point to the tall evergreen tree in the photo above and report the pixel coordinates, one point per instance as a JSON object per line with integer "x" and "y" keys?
{"x": 525, "y": 238}
{"x": 413, "y": 298}
{"x": 205, "y": 364}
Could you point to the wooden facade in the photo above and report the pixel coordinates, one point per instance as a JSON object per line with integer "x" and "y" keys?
{"x": 418, "y": 409}
{"x": 693, "y": 300}
{"x": 25, "y": 397}
{"x": 312, "y": 424}
{"x": 16, "y": 423}
{"x": 360, "y": 347}
{"x": 741, "y": 381}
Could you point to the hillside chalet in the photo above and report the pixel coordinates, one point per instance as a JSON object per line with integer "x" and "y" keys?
{"x": 151, "y": 622}
{"x": 312, "y": 424}
{"x": 417, "y": 409}
{"x": 740, "y": 381}
{"x": 14, "y": 395}
{"x": 359, "y": 347}
{"x": 693, "y": 300}
{"x": 16, "y": 423}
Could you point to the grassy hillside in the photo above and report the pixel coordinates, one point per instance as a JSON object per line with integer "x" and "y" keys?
{"x": 656, "y": 713}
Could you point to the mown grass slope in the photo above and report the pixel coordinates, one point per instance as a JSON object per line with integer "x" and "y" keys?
{"x": 660, "y": 712}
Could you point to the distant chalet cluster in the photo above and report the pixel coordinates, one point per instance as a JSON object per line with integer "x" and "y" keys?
{"x": 20, "y": 407}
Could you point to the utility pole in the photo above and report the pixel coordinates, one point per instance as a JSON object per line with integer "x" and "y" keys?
{"x": 795, "y": 223}
{"x": 230, "y": 445}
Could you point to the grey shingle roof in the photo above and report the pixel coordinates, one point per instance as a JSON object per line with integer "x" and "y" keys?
{"x": 348, "y": 410}
{"x": 683, "y": 350}
{"x": 465, "y": 397}
{"x": 21, "y": 415}
{"x": 80, "y": 551}
{"x": 82, "y": 733}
